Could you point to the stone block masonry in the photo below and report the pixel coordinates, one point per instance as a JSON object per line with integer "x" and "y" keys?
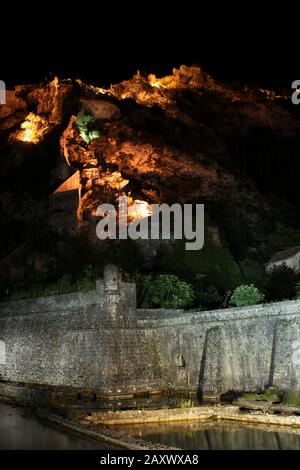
{"x": 99, "y": 341}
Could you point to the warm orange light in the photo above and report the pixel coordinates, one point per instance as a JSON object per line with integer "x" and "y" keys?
{"x": 112, "y": 180}
{"x": 139, "y": 210}
{"x": 165, "y": 82}
{"x": 116, "y": 181}
{"x": 155, "y": 83}
{"x": 32, "y": 129}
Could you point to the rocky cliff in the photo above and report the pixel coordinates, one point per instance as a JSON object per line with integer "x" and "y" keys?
{"x": 182, "y": 138}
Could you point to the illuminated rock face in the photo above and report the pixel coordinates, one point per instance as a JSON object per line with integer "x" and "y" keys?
{"x": 53, "y": 101}
{"x": 13, "y": 112}
{"x": 181, "y": 138}
{"x": 32, "y": 130}
{"x": 139, "y": 210}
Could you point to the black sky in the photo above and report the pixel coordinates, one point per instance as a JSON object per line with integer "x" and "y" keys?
{"x": 111, "y": 66}
{"x": 105, "y": 47}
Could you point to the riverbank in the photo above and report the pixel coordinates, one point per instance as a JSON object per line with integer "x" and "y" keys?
{"x": 117, "y": 430}
{"x": 135, "y": 429}
{"x": 216, "y": 412}
{"x": 107, "y": 434}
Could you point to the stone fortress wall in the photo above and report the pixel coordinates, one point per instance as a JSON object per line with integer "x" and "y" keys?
{"x": 101, "y": 342}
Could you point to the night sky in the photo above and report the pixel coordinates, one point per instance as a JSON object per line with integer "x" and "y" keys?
{"x": 107, "y": 42}
{"x": 103, "y": 53}
{"x": 112, "y": 66}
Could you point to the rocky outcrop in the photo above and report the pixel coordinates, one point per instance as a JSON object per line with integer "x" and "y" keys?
{"x": 13, "y": 112}
{"x": 181, "y": 138}
{"x": 101, "y": 110}
{"x": 52, "y": 100}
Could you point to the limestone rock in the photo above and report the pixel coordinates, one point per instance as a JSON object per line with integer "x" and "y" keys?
{"x": 102, "y": 110}
{"x": 13, "y": 112}
{"x": 13, "y": 104}
{"x": 51, "y": 99}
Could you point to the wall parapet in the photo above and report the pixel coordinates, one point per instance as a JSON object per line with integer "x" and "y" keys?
{"x": 146, "y": 317}
{"x": 50, "y": 304}
{"x": 61, "y": 303}
{"x": 165, "y": 317}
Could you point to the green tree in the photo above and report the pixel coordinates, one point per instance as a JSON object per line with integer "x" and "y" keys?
{"x": 86, "y": 123}
{"x": 246, "y": 295}
{"x": 165, "y": 291}
{"x": 211, "y": 271}
{"x": 281, "y": 283}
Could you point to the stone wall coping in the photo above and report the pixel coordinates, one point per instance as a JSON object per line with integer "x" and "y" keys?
{"x": 274, "y": 309}
{"x": 51, "y": 304}
{"x": 58, "y": 304}
{"x": 147, "y": 318}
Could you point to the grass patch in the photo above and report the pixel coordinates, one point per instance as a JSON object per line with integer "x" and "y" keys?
{"x": 270, "y": 394}
{"x": 292, "y": 398}
{"x": 188, "y": 403}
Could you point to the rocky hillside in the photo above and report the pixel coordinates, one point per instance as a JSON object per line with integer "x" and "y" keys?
{"x": 181, "y": 138}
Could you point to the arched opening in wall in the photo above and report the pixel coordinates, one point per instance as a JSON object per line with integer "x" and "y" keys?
{"x": 2, "y": 353}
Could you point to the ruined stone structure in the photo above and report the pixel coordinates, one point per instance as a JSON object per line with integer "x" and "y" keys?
{"x": 99, "y": 341}
{"x": 64, "y": 204}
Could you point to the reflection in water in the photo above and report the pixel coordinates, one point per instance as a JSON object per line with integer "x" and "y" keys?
{"x": 20, "y": 430}
{"x": 217, "y": 435}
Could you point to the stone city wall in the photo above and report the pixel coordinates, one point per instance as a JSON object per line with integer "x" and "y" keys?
{"x": 99, "y": 341}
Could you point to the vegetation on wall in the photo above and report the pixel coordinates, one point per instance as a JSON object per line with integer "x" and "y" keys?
{"x": 85, "y": 282}
{"x": 246, "y": 295}
{"x": 163, "y": 290}
{"x": 281, "y": 284}
{"x": 292, "y": 398}
{"x": 269, "y": 394}
{"x": 204, "y": 279}
{"x": 86, "y": 123}
{"x": 211, "y": 271}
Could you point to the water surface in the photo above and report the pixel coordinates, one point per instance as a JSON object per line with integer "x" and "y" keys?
{"x": 217, "y": 435}
{"x": 20, "y": 430}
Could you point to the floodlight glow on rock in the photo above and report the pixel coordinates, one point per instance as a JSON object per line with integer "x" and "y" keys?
{"x": 32, "y": 129}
